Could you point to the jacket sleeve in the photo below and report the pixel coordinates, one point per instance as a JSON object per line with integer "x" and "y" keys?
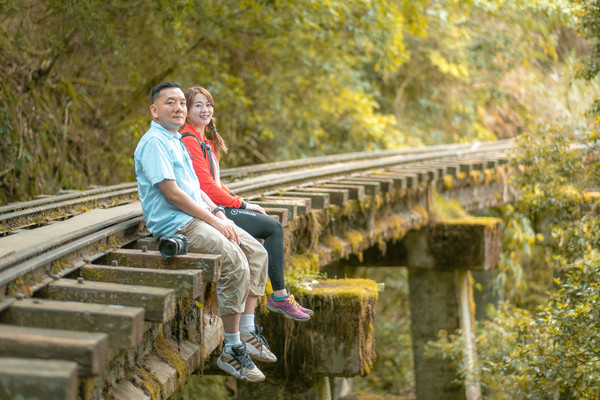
{"x": 201, "y": 164}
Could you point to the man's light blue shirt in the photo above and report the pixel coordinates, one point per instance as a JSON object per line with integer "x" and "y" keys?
{"x": 161, "y": 155}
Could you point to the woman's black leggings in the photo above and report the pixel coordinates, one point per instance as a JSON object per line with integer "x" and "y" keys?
{"x": 264, "y": 227}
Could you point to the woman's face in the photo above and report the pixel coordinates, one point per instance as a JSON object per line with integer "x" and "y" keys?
{"x": 200, "y": 112}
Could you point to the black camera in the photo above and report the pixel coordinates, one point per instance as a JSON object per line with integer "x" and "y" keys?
{"x": 169, "y": 247}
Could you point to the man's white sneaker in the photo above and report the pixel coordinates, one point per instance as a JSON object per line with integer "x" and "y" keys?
{"x": 257, "y": 345}
{"x": 239, "y": 364}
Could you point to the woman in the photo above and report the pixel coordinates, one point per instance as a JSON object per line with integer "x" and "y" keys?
{"x": 250, "y": 217}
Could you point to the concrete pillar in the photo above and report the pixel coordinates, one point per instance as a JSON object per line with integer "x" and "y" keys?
{"x": 295, "y": 388}
{"x": 433, "y": 306}
{"x": 440, "y": 258}
{"x": 338, "y": 341}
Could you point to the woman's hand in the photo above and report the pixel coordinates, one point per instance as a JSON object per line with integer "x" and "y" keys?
{"x": 256, "y": 208}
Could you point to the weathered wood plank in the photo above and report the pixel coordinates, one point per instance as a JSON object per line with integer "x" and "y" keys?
{"x": 292, "y": 209}
{"x": 125, "y": 390}
{"x": 37, "y": 379}
{"x": 159, "y": 303}
{"x": 303, "y": 205}
{"x": 338, "y": 197}
{"x": 422, "y": 175}
{"x": 187, "y": 283}
{"x": 399, "y": 180}
{"x": 319, "y": 201}
{"x": 124, "y": 325}
{"x": 385, "y": 183}
{"x": 279, "y": 214}
{"x": 355, "y": 192}
{"x": 371, "y": 188}
{"x": 209, "y": 264}
{"x": 88, "y": 349}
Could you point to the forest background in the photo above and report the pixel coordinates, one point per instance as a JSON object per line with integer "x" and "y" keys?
{"x": 304, "y": 78}
{"x": 290, "y": 79}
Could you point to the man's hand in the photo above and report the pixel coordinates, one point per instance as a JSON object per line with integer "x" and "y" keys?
{"x": 186, "y": 204}
{"x": 226, "y": 227}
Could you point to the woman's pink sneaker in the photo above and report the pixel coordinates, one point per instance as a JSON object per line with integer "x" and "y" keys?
{"x": 288, "y": 307}
{"x": 303, "y": 309}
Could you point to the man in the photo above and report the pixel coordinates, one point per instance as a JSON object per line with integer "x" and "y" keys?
{"x": 173, "y": 203}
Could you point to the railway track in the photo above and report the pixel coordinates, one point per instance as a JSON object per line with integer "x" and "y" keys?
{"x": 247, "y": 181}
{"x": 20, "y": 223}
{"x": 49, "y": 245}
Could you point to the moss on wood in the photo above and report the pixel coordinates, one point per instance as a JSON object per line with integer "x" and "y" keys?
{"x": 476, "y": 177}
{"x": 340, "y": 333}
{"x": 168, "y": 354}
{"x": 151, "y": 384}
{"x": 468, "y": 242}
{"x": 448, "y": 181}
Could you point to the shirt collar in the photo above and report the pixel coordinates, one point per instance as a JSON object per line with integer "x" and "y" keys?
{"x": 170, "y": 134}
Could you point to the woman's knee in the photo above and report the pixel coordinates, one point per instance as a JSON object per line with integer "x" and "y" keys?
{"x": 273, "y": 227}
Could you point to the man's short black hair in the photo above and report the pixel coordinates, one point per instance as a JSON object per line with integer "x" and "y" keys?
{"x": 156, "y": 89}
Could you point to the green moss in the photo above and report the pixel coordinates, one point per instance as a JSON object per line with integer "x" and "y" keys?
{"x": 86, "y": 387}
{"x": 469, "y": 220}
{"x": 390, "y": 227}
{"x": 347, "y": 289}
{"x": 344, "y": 310}
{"x": 448, "y": 181}
{"x": 476, "y": 177}
{"x": 489, "y": 176}
{"x": 99, "y": 275}
{"x": 355, "y": 238}
{"x": 21, "y": 285}
{"x": 419, "y": 209}
{"x": 307, "y": 262}
{"x": 445, "y": 208}
{"x": 169, "y": 355}
{"x": 335, "y": 243}
{"x": 151, "y": 385}
{"x": 314, "y": 227}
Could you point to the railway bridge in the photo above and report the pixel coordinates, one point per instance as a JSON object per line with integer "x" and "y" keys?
{"x": 90, "y": 309}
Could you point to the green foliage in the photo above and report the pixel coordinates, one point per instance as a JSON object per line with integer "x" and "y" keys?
{"x": 550, "y": 351}
{"x": 290, "y": 79}
{"x": 206, "y": 388}
{"x": 469, "y": 80}
{"x": 392, "y": 371}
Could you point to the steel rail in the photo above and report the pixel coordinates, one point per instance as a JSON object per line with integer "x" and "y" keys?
{"x": 14, "y": 207}
{"x": 236, "y": 172}
{"x": 46, "y": 203}
{"x": 57, "y": 239}
{"x": 45, "y": 258}
{"x": 261, "y": 185}
{"x": 30, "y": 213}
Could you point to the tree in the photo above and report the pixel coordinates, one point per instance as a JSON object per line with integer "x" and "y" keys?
{"x": 290, "y": 78}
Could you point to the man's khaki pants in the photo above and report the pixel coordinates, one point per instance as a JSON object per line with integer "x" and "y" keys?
{"x": 243, "y": 267}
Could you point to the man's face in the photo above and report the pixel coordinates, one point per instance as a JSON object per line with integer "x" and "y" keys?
{"x": 169, "y": 109}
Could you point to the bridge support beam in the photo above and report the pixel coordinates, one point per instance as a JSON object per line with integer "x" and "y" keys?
{"x": 338, "y": 341}
{"x": 440, "y": 259}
